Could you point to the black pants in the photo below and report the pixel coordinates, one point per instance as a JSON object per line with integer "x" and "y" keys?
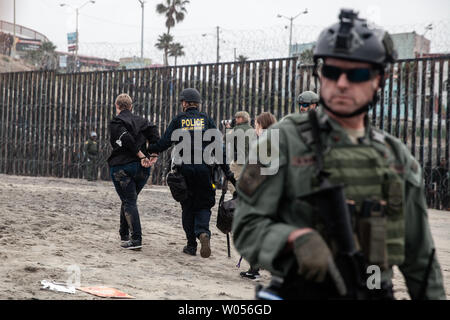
{"x": 197, "y": 208}
{"x": 129, "y": 180}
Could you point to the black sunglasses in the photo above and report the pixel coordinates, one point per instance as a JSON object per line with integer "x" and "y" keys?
{"x": 304, "y": 105}
{"x": 353, "y": 75}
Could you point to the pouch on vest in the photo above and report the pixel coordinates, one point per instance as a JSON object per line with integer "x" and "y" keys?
{"x": 371, "y": 229}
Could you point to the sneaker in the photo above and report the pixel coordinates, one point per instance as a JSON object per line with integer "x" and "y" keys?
{"x": 190, "y": 250}
{"x": 124, "y": 239}
{"x": 132, "y": 245}
{"x": 250, "y": 275}
{"x": 205, "y": 250}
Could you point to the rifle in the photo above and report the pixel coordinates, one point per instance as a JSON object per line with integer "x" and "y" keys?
{"x": 335, "y": 215}
{"x": 423, "y": 288}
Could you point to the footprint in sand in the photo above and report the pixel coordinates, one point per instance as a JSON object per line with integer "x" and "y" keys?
{"x": 31, "y": 269}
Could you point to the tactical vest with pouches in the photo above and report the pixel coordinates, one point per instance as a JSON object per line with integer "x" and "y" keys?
{"x": 373, "y": 188}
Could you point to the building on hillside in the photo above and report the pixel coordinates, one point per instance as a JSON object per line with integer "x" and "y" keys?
{"x": 135, "y": 63}
{"x": 26, "y": 39}
{"x": 298, "y": 48}
{"x": 85, "y": 63}
{"x": 410, "y": 45}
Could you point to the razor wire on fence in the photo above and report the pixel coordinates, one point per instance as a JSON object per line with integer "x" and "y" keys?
{"x": 47, "y": 117}
{"x": 270, "y": 42}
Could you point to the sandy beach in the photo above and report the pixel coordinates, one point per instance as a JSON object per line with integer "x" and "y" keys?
{"x": 50, "y": 226}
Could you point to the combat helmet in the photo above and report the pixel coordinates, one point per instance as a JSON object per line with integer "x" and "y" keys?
{"x": 308, "y": 97}
{"x": 353, "y": 39}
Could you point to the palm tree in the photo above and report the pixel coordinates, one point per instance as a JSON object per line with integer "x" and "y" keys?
{"x": 174, "y": 10}
{"x": 176, "y": 50}
{"x": 242, "y": 58}
{"x": 307, "y": 56}
{"x": 45, "y": 58}
{"x": 164, "y": 42}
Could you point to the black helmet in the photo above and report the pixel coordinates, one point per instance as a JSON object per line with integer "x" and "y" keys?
{"x": 353, "y": 39}
{"x": 190, "y": 95}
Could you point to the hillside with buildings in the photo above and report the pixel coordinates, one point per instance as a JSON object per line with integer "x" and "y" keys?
{"x": 8, "y": 64}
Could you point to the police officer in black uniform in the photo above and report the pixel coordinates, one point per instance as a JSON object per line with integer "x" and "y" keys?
{"x": 201, "y": 191}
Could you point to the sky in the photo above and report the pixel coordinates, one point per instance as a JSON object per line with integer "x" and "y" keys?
{"x": 112, "y": 28}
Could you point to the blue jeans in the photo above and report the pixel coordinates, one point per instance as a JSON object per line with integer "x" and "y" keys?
{"x": 129, "y": 179}
{"x": 195, "y": 223}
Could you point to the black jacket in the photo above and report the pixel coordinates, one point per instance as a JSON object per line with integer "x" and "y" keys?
{"x": 192, "y": 119}
{"x": 129, "y": 134}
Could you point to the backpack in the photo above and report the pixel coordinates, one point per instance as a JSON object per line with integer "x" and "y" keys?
{"x": 225, "y": 214}
{"x": 226, "y": 211}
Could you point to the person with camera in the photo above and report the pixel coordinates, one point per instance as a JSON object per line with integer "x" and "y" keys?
{"x": 239, "y": 148}
{"x": 347, "y": 202}
{"x": 200, "y": 191}
{"x": 91, "y": 154}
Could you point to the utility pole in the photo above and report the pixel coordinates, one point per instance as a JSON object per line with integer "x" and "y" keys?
{"x": 291, "y": 19}
{"x": 218, "y": 55}
{"x": 76, "y": 45}
{"x": 142, "y": 29}
{"x": 234, "y": 54}
{"x": 422, "y": 38}
{"x": 13, "y": 50}
{"x": 76, "y": 31}
{"x": 290, "y": 36}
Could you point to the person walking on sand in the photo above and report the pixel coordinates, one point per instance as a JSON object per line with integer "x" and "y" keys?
{"x": 129, "y": 165}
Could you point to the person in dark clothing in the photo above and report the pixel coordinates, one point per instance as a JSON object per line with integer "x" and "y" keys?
{"x": 129, "y": 165}
{"x": 440, "y": 179}
{"x": 91, "y": 157}
{"x": 196, "y": 209}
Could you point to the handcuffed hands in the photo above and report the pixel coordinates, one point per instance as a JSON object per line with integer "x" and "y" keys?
{"x": 153, "y": 158}
{"x": 147, "y": 163}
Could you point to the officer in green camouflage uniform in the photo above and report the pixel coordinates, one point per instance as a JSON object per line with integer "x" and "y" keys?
{"x": 307, "y": 100}
{"x": 278, "y": 228}
{"x": 91, "y": 155}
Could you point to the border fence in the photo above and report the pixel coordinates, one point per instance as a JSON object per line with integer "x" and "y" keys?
{"x": 45, "y": 117}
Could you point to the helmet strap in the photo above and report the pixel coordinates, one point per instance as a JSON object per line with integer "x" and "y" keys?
{"x": 363, "y": 109}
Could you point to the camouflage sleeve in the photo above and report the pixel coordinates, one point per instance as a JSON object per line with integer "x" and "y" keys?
{"x": 258, "y": 232}
{"x": 418, "y": 239}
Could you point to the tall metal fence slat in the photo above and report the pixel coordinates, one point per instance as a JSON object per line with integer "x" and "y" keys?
{"x": 447, "y": 117}
{"x": 422, "y": 112}
{"x": 439, "y": 111}
{"x": 431, "y": 116}
{"x": 406, "y": 95}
